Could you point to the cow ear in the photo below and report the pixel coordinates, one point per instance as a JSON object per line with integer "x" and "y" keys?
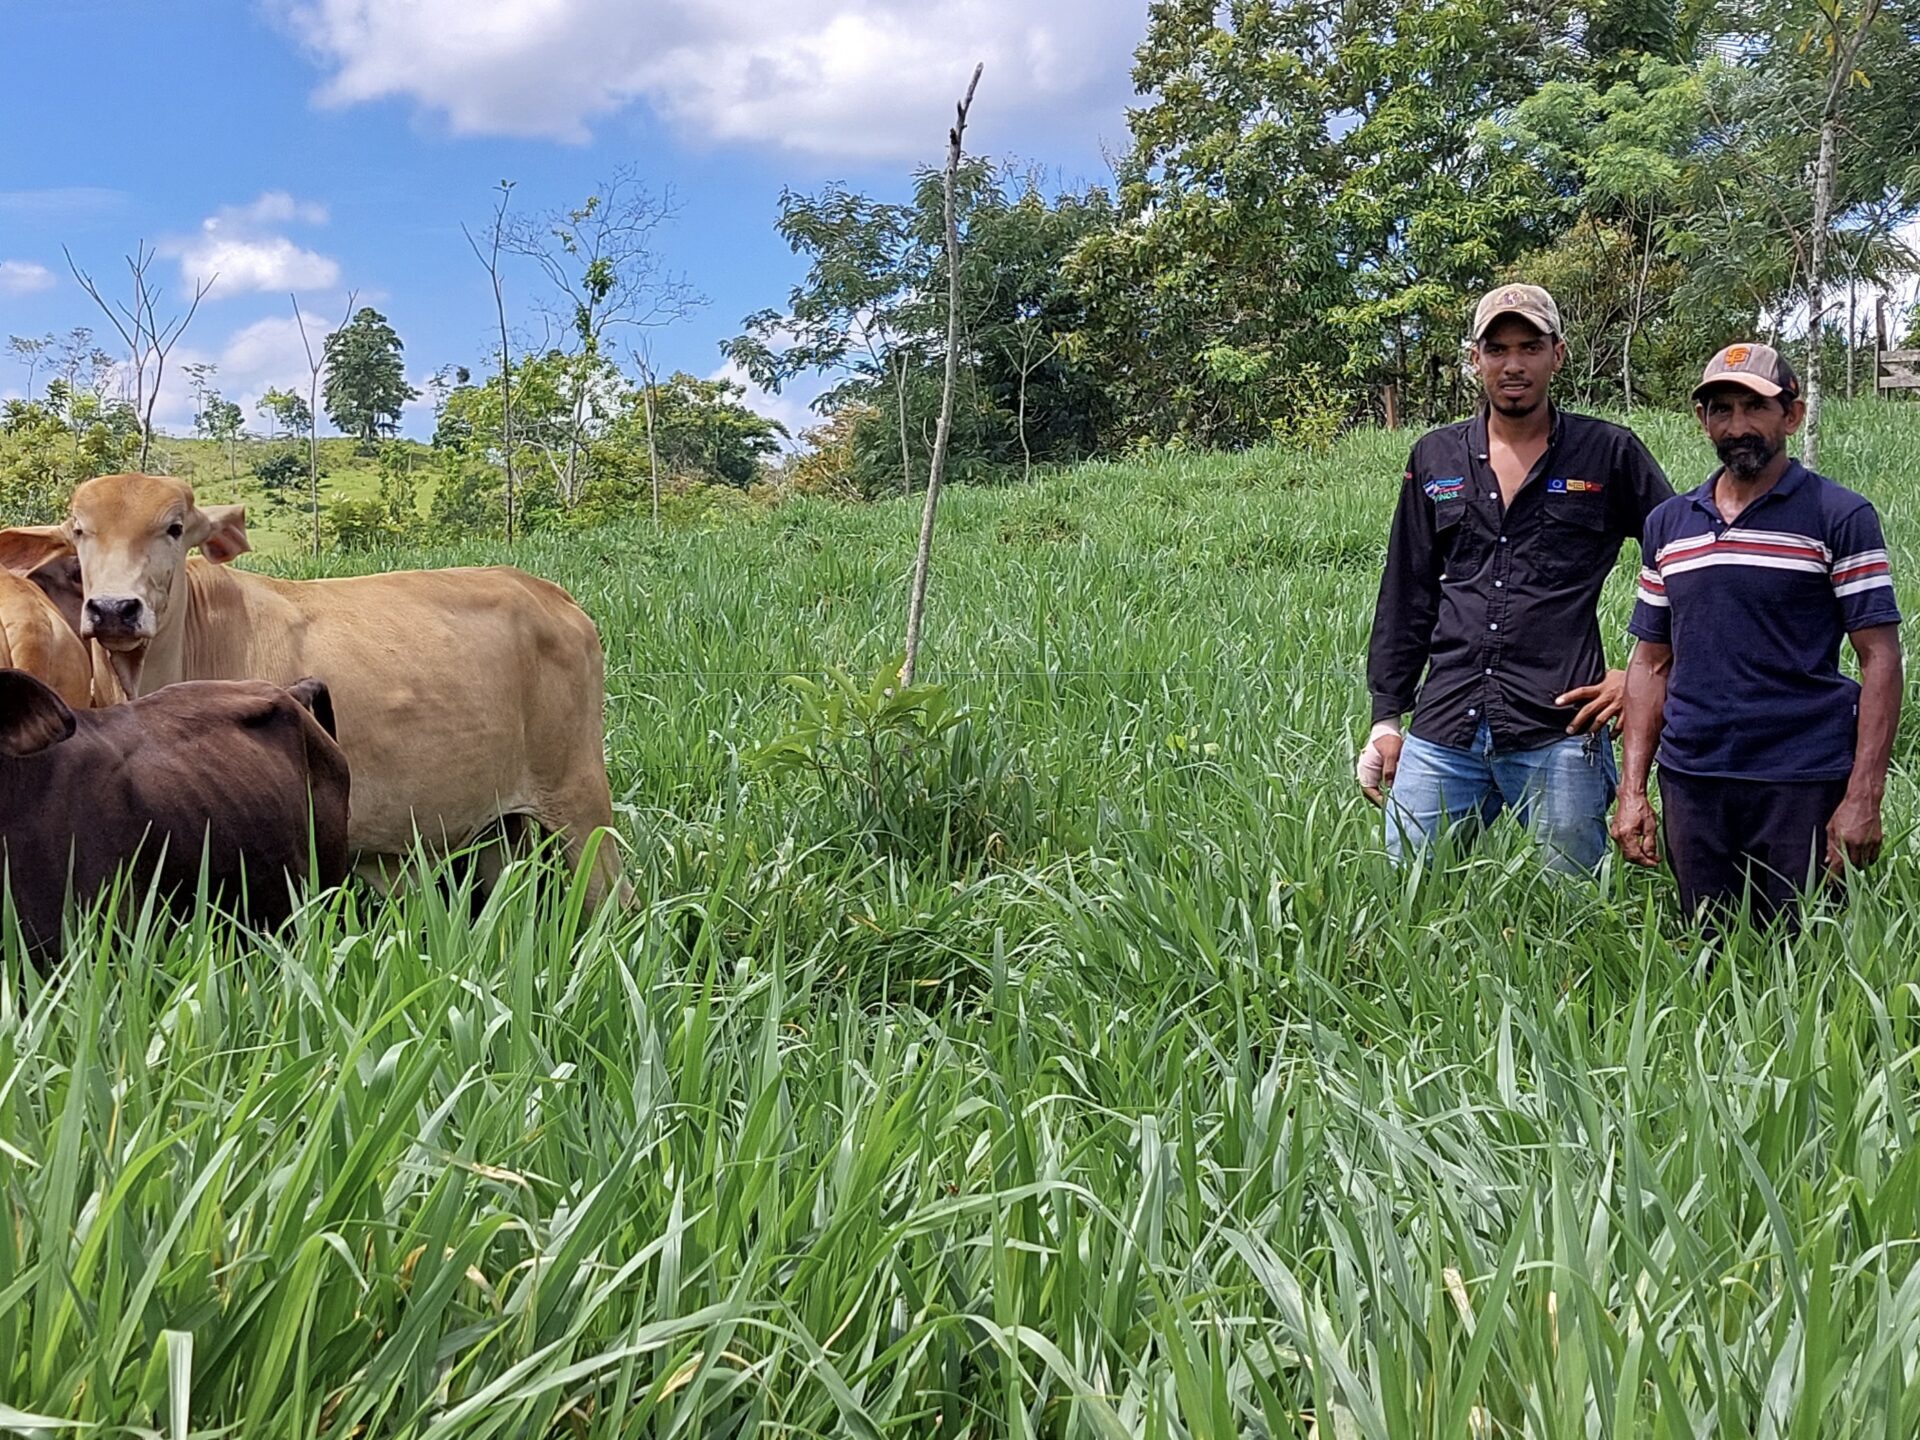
{"x": 25, "y": 548}
{"x": 221, "y": 532}
{"x": 32, "y": 717}
{"x": 59, "y": 580}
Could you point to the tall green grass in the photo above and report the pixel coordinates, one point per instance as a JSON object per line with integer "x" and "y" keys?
{"x": 1175, "y": 1114}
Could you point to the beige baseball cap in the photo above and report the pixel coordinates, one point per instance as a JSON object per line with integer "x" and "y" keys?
{"x": 1752, "y": 366}
{"x": 1531, "y": 303}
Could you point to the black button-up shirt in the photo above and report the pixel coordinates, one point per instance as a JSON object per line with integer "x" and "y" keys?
{"x": 1495, "y": 604}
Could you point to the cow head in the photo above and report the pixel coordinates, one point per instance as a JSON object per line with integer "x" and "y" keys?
{"x": 131, "y": 535}
{"x": 32, "y": 717}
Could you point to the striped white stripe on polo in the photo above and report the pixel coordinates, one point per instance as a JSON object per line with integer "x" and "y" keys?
{"x": 1752, "y": 558}
{"x": 1779, "y": 544}
{"x": 1866, "y": 570}
{"x": 1652, "y": 590}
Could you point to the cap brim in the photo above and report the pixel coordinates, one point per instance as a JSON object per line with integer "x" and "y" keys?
{"x": 1499, "y": 315}
{"x": 1754, "y": 383}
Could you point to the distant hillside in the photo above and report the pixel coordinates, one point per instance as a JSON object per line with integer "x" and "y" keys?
{"x": 278, "y": 520}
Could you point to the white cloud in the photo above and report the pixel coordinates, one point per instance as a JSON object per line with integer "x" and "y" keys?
{"x": 24, "y": 277}
{"x": 61, "y": 202}
{"x": 277, "y": 207}
{"x": 789, "y": 407}
{"x": 252, "y": 360}
{"x": 860, "y": 79}
{"x": 239, "y": 245}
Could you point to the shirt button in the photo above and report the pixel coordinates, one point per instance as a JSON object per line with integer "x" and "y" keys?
{"x": 1499, "y": 584}
{"x": 1487, "y": 671}
{"x": 1493, "y": 494}
{"x": 1494, "y": 626}
{"x": 1472, "y": 713}
{"x": 1503, "y": 539}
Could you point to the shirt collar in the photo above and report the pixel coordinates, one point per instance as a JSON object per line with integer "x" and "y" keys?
{"x": 1794, "y": 477}
{"x": 1477, "y": 429}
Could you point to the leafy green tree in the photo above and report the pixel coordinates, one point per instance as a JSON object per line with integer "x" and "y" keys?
{"x": 284, "y": 410}
{"x": 702, "y": 429}
{"x": 50, "y": 445}
{"x": 870, "y": 315}
{"x": 391, "y": 516}
{"x": 31, "y": 352}
{"x": 1624, "y": 160}
{"x": 222, "y": 420}
{"x": 603, "y": 261}
{"x": 1309, "y": 196}
{"x": 366, "y": 385}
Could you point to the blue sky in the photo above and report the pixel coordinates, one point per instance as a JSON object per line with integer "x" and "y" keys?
{"x": 328, "y": 145}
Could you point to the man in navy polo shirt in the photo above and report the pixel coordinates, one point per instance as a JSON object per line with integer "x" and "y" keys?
{"x": 1771, "y": 760}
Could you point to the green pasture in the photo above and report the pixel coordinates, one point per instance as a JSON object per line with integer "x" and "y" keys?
{"x": 1086, "y": 1074}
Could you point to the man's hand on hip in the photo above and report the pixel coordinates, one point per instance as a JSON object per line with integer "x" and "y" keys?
{"x": 1599, "y": 704}
{"x": 1378, "y": 762}
{"x": 1636, "y": 829}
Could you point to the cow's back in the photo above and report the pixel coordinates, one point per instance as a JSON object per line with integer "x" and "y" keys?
{"x": 239, "y": 778}
{"x": 460, "y": 695}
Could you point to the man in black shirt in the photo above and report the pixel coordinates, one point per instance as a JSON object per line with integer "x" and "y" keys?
{"x": 1507, "y": 526}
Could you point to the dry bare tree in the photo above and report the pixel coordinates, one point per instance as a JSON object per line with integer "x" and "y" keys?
{"x": 490, "y": 259}
{"x": 148, "y": 338}
{"x": 316, "y": 362}
{"x": 603, "y": 261}
{"x": 643, "y": 362}
{"x": 937, "y": 465}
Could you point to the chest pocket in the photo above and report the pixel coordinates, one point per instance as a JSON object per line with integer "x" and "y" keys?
{"x": 1574, "y": 543}
{"x": 1461, "y": 548}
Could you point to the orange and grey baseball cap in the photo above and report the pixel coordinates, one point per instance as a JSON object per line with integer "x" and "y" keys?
{"x": 1752, "y": 366}
{"x": 1529, "y": 302}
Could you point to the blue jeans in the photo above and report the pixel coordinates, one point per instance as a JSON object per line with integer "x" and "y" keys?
{"x": 1559, "y": 792}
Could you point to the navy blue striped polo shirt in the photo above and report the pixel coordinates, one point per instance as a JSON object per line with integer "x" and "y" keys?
{"x": 1755, "y": 612}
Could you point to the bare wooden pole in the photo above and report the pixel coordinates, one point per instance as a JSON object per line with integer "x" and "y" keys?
{"x": 1846, "y": 50}
{"x": 643, "y": 357}
{"x": 937, "y": 466}
{"x": 490, "y": 259}
{"x": 316, "y": 362}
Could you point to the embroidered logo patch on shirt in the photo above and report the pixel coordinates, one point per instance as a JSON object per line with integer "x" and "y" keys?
{"x": 1566, "y": 485}
{"x": 1451, "y": 487}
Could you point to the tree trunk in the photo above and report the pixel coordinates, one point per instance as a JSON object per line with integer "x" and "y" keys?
{"x": 653, "y": 450}
{"x": 1853, "y": 335}
{"x": 1816, "y": 287}
{"x": 1026, "y": 450}
{"x": 1822, "y": 213}
{"x": 900, "y": 396}
{"x": 937, "y": 464}
{"x": 313, "y": 458}
{"x": 506, "y": 373}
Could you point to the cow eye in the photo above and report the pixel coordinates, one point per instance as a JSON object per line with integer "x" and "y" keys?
{"x": 175, "y": 530}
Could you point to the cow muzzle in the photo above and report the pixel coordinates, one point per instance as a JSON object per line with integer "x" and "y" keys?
{"x": 118, "y": 622}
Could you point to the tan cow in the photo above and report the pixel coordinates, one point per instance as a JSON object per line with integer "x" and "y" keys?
{"x": 463, "y": 697}
{"x": 36, "y": 637}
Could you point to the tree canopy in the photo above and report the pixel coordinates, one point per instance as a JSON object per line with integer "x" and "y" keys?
{"x": 366, "y": 384}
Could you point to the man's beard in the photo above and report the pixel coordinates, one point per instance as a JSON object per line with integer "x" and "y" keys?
{"x": 1745, "y": 455}
{"x": 1515, "y": 409}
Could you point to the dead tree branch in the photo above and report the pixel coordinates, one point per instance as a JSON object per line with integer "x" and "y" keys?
{"x": 937, "y": 466}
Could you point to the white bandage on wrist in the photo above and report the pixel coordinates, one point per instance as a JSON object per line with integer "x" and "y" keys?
{"x": 1370, "y": 768}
